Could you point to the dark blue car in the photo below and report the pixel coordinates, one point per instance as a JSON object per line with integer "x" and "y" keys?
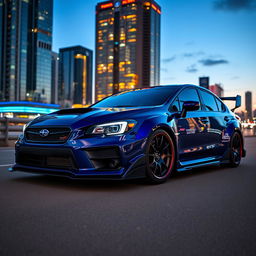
{"x": 149, "y": 133}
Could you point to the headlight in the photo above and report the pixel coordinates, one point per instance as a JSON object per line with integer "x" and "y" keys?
{"x": 114, "y": 128}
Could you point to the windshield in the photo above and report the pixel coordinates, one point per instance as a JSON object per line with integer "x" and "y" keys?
{"x": 139, "y": 98}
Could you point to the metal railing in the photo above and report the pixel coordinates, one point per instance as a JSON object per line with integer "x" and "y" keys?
{"x": 11, "y": 128}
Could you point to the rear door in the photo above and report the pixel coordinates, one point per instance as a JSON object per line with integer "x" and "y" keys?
{"x": 215, "y": 111}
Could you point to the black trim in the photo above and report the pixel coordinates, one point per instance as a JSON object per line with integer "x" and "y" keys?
{"x": 104, "y": 158}
{"x": 61, "y": 158}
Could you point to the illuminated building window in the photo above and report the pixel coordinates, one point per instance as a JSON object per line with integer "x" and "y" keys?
{"x": 132, "y": 40}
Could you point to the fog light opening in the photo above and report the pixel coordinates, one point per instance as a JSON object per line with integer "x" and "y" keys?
{"x": 114, "y": 163}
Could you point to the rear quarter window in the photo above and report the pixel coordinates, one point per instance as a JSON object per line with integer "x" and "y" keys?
{"x": 209, "y": 101}
{"x": 221, "y": 105}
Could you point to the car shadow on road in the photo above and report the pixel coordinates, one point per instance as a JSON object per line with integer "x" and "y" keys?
{"x": 93, "y": 185}
{"x": 109, "y": 185}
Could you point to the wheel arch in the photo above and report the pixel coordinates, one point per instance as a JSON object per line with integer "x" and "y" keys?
{"x": 169, "y": 130}
{"x": 242, "y": 137}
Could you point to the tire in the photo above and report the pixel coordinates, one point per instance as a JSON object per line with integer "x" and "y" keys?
{"x": 236, "y": 150}
{"x": 160, "y": 157}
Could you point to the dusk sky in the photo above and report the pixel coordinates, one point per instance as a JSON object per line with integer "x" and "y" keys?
{"x": 215, "y": 38}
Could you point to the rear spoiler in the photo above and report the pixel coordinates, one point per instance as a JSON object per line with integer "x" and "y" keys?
{"x": 237, "y": 99}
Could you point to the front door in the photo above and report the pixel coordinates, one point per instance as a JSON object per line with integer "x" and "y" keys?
{"x": 191, "y": 131}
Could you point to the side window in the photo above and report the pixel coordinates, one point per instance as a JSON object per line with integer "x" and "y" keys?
{"x": 221, "y": 106}
{"x": 209, "y": 101}
{"x": 189, "y": 95}
{"x": 175, "y": 107}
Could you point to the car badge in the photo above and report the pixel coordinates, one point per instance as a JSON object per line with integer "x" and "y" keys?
{"x": 44, "y": 133}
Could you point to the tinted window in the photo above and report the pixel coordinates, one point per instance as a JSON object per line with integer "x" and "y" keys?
{"x": 175, "y": 105}
{"x": 145, "y": 97}
{"x": 188, "y": 95}
{"x": 221, "y": 106}
{"x": 209, "y": 101}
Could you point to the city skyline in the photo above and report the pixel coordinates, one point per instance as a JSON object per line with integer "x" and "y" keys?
{"x": 188, "y": 50}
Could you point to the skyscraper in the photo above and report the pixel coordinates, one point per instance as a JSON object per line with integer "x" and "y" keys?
{"x": 25, "y": 49}
{"x": 127, "y": 46}
{"x": 55, "y": 78}
{"x": 248, "y": 105}
{"x": 75, "y": 76}
{"x": 1, "y": 47}
{"x": 204, "y": 81}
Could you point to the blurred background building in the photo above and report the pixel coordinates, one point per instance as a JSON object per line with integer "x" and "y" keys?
{"x": 55, "y": 78}
{"x": 217, "y": 89}
{"x": 204, "y": 82}
{"x": 127, "y": 46}
{"x": 75, "y": 76}
{"x": 25, "y": 50}
{"x": 248, "y": 105}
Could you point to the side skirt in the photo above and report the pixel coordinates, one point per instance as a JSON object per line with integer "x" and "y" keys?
{"x": 188, "y": 165}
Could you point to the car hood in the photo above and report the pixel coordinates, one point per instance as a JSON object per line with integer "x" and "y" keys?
{"x": 82, "y": 117}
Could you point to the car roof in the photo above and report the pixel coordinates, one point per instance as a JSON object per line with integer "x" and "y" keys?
{"x": 169, "y": 85}
{"x": 178, "y": 85}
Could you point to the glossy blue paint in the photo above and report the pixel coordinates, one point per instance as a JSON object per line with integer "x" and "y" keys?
{"x": 201, "y": 138}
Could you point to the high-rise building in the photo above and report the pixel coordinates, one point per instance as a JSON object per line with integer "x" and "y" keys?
{"x": 248, "y": 105}
{"x": 25, "y": 49}
{"x": 204, "y": 81}
{"x": 1, "y": 46}
{"x": 127, "y": 46}
{"x": 75, "y": 76}
{"x": 217, "y": 89}
{"x": 55, "y": 74}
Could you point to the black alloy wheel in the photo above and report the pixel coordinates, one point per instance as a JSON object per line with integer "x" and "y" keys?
{"x": 160, "y": 157}
{"x": 236, "y": 150}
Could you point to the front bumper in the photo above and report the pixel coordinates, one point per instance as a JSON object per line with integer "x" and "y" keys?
{"x": 92, "y": 158}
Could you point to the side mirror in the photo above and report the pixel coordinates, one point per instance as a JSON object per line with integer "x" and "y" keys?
{"x": 189, "y": 106}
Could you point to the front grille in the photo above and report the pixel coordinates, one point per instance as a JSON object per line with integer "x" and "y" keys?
{"x": 55, "y": 134}
{"x": 107, "y": 158}
{"x": 46, "y": 158}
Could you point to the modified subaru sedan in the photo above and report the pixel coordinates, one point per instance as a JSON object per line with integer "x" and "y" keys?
{"x": 147, "y": 133}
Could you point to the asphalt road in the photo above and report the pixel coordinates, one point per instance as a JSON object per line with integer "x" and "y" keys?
{"x": 208, "y": 211}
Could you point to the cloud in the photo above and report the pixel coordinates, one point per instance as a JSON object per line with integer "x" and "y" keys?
{"x": 235, "y": 78}
{"x": 192, "y": 69}
{"x": 213, "y": 62}
{"x": 168, "y": 60}
{"x": 235, "y": 5}
{"x": 193, "y": 54}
